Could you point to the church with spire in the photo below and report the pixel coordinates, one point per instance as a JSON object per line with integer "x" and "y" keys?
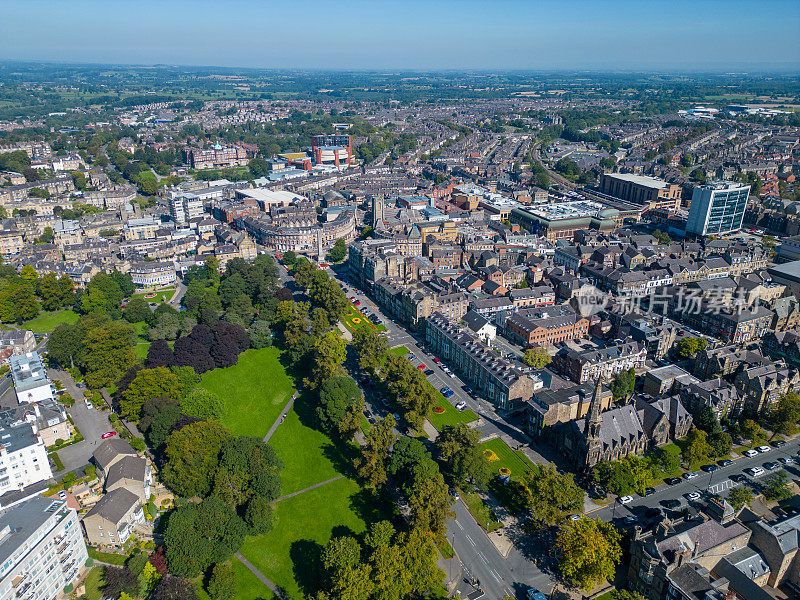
{"x": 624, "y": 429}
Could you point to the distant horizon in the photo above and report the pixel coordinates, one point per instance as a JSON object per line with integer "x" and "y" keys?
{"x": 731, "y": 70}
{"x": 451, "y": 35}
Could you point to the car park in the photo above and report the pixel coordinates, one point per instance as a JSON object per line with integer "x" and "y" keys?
{"x": 764, "y": 449}
{"x": 755, "y": 471}
{"x": 625, "y": 499}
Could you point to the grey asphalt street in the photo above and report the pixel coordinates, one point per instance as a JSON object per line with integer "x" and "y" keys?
{"x": 718, "y": 480}
{"x": 497, "y": 576}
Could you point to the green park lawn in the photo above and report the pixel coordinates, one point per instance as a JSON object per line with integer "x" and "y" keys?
{"x": 248, "y": 586}
{"x": 504, "y": 456}
{"x": 308, "y": 455}
{"x": 354, "y": 318}
{"x": 93, "y": 582}
{"x": 253, "y": 391}
{"x": 400, "y": 350}
{"x": 161, "y": 294}
{"x": 288, "y": 554}
{"x": 450, "y": 416}
{"x": 45, "y": 323}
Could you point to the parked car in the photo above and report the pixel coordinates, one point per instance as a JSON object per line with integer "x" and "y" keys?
{"x": 672, "y": 480}
{"x": 738, "y": 478}
{"x": 764, "y": 449}
{"x": 422, "y": 366}
{"x": 108, "y": 434}
{"x": 779, "y": 443}
{"x": 89, "y": 405}
{"x": 709, "y": 468}
{"x": 771, "y": 466}
{"x": 461, "y": 406}
{"x": 725, "y": 463}
{"x": 786, "y": 460}
{"x": 693, "y": 496}
{"x": 625, "y": 499}
{"x": 751, "y": 453}
{"x": 631, "y": 519}
{"x": 649, "y": 491}
{"x": 429, "y": 372}
{"x": 62, "y": 495}
{"x": 672, "y": 503}
{"x": 690, "y": 475}
{"x": 444, "y": 389}
{"x": 755, "y": 471}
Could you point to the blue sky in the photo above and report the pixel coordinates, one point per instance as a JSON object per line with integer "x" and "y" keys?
{"x": 409, "y": 34}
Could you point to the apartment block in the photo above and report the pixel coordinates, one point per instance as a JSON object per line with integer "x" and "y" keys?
{"x": 41, "y": 549}
{"x": 499, "y": 379}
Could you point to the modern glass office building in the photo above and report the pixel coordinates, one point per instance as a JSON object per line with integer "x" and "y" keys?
{"x": 717, "y": 208}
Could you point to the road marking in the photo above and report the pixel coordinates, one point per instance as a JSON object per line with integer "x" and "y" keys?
{"x": 469, "y": 539}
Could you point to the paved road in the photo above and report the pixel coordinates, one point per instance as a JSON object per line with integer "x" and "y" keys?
{"x": 498, "y": 576}
{"x": 719, "y": 480}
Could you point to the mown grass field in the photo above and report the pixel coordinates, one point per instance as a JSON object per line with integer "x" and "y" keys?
{"x": 289, "y": 554}
{"x": 450, "y": 416}
{"x": 500, "y": 455}
{"x": 45, "y": 323}
{"x": 253, "y": 391}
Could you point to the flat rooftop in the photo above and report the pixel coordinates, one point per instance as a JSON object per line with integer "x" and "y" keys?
{"x": 566, "y": 210}
{"x": 640, "y": 180}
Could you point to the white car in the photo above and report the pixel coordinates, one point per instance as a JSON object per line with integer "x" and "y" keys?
{"x": 751, "y": 453}
{"x": 764, "y": 449}
{"x": 626, "y": 499}
{"x": 693, "y": 496}
{"x": 89, "y": 405}
{"x": 691, "y": 475}
{"x": 755, "y": 471}
{"x": 461, "y": 406}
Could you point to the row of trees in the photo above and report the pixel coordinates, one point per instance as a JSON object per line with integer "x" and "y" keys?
{"x": 24, "y": 294}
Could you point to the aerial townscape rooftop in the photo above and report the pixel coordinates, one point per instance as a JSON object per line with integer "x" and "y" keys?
{"x": 464, "y": 300}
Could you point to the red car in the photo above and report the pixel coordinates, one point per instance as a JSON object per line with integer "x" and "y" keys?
{"x": 436, "y": 360}
{"x": 357, "y": 302}
{"x": 108, "y": 434}
{"x": 420, "y": 367}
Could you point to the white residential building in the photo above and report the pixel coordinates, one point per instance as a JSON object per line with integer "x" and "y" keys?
{"x": 41, "y": 549}
{"x": 23, "y": 457}
{"x": 29, "y": 375}
{"x": 185, "y": 207}
{"x": 149, "y": 274}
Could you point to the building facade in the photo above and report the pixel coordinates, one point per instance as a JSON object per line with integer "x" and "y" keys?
{"x": 717, "y": 208}
{"x": 41, "y": 549}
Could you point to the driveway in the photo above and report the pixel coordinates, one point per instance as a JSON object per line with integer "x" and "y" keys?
{"x": 92, "y": 423}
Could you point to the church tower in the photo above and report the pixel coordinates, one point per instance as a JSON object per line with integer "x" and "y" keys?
{"x": 594, "y": 419}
